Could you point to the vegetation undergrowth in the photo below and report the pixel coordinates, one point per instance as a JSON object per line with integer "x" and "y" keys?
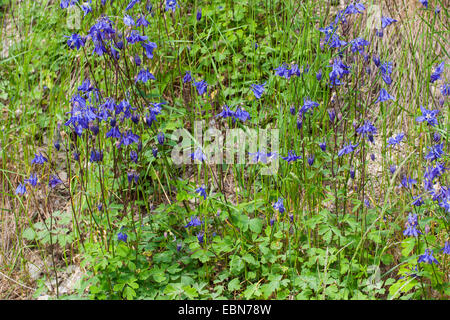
{"x": 226, "y": 149}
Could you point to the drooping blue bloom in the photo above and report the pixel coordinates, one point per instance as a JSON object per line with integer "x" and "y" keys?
{"x": 282, "y": 71}
{"x": 75, "y": 41}
{"x": 347, "y": 149}
{"x": 86, "y": 8}
{"x": 148, "y": 48}
{"x": 132, "y": 176}
{"x": 201, "y": 191}
{"x": 201, "y": 86}
{"x": 131, "y": 4}
{"x": 354, "y": 8}
{"x": 358, "y": 45}
{"x": 241, "y": 115}
{"x": 323, "y": 146}
{"x": 424, "y": 3}
{"x": 427, "y": 257}
{"x": 198, "y": 155}
{"x": 352, "y": 173}
{"x": 133, "y": 156}
{"x": 226, "y": 112}
{"x": 200, "y": 236}
{"x": 386, "y": 70}
{"x": 21, "y": 189}
{"x": 411, "y": 231}
{"x": 408, "y": 182}
{"x": 437, "y": 72}
{"x": 136, "y": 37}
{"x": 291, "y": 156}
{"x": 32, "y": 180}
{"x": 96, "y": 156}
{"x": 386, "y": 21}
{"x": 435, "y": 153}
{"x": 155, "y": 152}
{"x": 261, "y": 156}
{"x": 128, "y": 20}
{"x": 429, "y": 116}
{"x": 418, "y": 201}
{"x": 38, "y": 159}
{"x": 311, "y": 160}
{"x": 258, "y": 90}
{"x": 144, "y": 75}
{"x": 446, "y": 248}
{"x": 367, "y": 130}
{"x": 194, "y": 222}
{"x": 171, "y": 5}
{"x": 392, "y": 169}
{"x": 279, "y": 205}
{"x": 445, "y": 89}
{"x": 54, "y": 181}
{"x": 199, "y": 14}
{"x": 332, "y": 115}
{"x": 187, "y": 77}
{"x": 114, "y": 132}
{"x": 141, "y": 21}
{"x": 319, "y": 75}
{"x": 161, "y": 138}
{"x": 339, "y": 69}
{"x": 128, "y": 138}
{"x": 392, "y": 141}
{"x": 307, "y": 105}
{"x": 121, "y": 236}
{"x": 384, "y": 96}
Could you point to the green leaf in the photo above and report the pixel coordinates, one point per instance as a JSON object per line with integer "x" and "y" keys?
{"x": 29, "y": 234}
{"x": 129, "y": 293}
{"x": 234, "y": 285}
{"x": 190, "y": 292}
{"x": 256, "y": 225}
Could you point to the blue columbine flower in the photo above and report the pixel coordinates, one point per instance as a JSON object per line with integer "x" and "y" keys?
{"x": 144, "y": 75}
{"x": 291, "y": 156}
{"x": 161, "y": 138}
{"x": 75, "y": 41}
{"x": 128, "y": 20}
{"x": 201, "y": 86}
{"x": 358, "y": 45}
{"x": 435, "y": 153}
{"x": 429, "y": 116}
{"x": 131, "y": 4}
{"x": 446, "y": 248}
{"x": 155, "y": 152}
{"x": 424, "y": 3}
{"x": 367, "y": 130}
{"x": 392, "y": 169}
{"x": 200, "y": 236}
{"x": 187, "y": 77}
{"x": 311, "y": 160}
{"x": 122, "y": 237}
{"x": 21, "y": 189}
{"x": 141, "y": 21}
{"x": 132, "y": 175}
{"x": 323, "y": 146}
{"x": 258, "y": 90}
{"x": 445, "y": 89}
{"x": 339, "y": 69}
{"x": 408, "y": 182}
{"x": 347, "y": 149}
{"x": 241, "y": 115}
{"x": 96, "y": 156}
{"x": 384, "y": 96}
{"x": 282, "y": 71}
{"x": 39, "y": 159}
{"x": 194, "y": 222}
{"x": 201, "y": 191}
{"x": 226, "y": 112}
{"x": 418, "y": 201}
{"x": 437, "y": 72}
{"x": 199, "y": 14}
{"x": 136, "y": 37}
{"x": 386, "y": 21}
{"x": 386, "y": 70}
{"x": 54, "y": 181}
{"x": 148, "y": 48}
{"x": 396, "y": 140}
{"x": 171, "y": 5}
{"x": 198, "y": 155}
{"x": 128, "y": 138}
{"x": 307, "y": 105}
{"x": 427, "y": 257}
{"x": 279, "y": 205}
{"x": 32, "y": 180}
{"x": 133, "y": 156}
